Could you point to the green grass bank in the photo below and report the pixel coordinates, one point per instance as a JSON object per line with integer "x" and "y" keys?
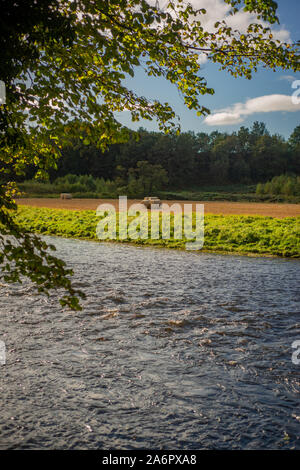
{"x": 257, "y": 235}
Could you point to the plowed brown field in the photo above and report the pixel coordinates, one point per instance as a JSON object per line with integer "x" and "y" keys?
{"x": 213, "y": 207}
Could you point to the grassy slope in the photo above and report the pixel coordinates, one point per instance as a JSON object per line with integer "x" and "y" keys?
{"x": 231, "y": 234}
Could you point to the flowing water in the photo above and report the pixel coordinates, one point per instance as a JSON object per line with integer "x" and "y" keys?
{"x": 173, "y": 350}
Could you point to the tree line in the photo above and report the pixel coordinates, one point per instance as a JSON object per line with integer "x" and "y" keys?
{"x": 248, "y": 156}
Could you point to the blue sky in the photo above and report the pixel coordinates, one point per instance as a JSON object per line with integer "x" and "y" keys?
{"x": 229, "y": 90}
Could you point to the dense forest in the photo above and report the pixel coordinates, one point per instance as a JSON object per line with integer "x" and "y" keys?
{"x": 248, "y": 156}
{"x": 155, "y": 161}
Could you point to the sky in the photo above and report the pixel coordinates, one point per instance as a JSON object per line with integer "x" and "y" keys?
{"x": 237, "y": 101}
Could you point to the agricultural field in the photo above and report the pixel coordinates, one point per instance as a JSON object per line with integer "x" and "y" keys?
{"x": 210, "y": 207}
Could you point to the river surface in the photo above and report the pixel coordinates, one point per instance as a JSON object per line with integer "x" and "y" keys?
{"x": 173, "y": 350}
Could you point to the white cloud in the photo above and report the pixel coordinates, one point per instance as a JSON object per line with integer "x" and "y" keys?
{"x": 263, "y": 104}
{"x": 218, "y": 10}
{"x": 223, "y": 119}
{"x": 288, "y": 78}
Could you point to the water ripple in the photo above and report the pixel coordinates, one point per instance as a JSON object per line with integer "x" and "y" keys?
{"x": 172, "y": 350}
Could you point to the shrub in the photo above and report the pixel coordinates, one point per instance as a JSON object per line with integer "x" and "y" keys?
{"x": 287, "y": 185}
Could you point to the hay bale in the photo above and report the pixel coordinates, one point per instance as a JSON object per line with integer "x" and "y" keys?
{"x": 65, "y": 196}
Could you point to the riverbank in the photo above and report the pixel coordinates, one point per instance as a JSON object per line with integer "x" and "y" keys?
{"x": 257, "y": 235}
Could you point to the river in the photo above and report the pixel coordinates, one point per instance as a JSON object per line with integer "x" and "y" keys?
{"x": 173, "y": 350}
